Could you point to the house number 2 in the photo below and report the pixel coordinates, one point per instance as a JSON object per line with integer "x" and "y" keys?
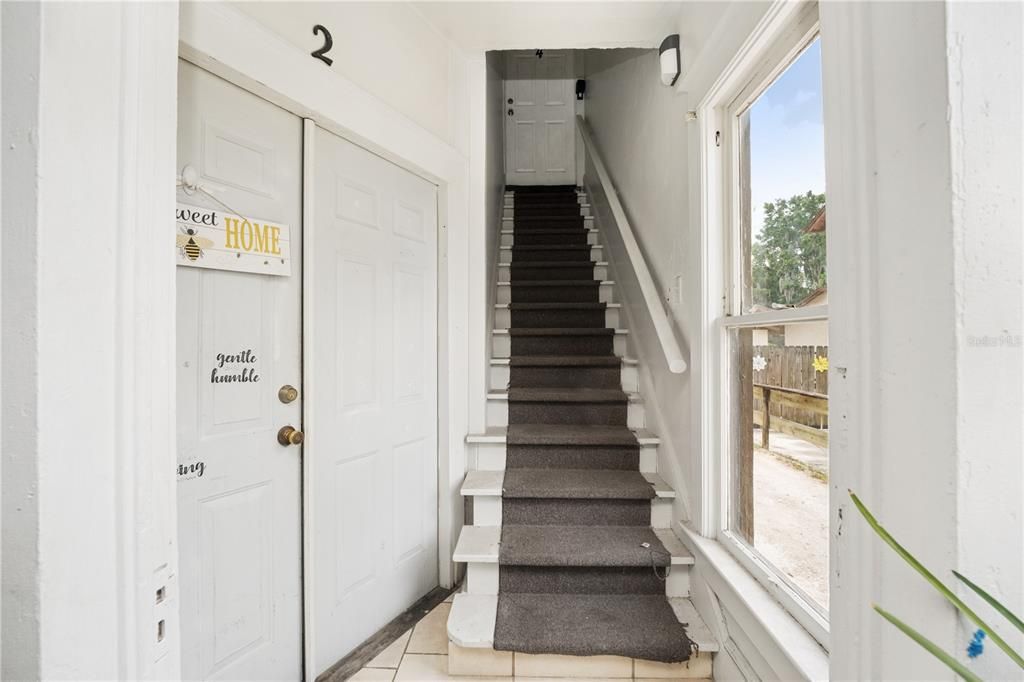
{"x": 321, "y": 53}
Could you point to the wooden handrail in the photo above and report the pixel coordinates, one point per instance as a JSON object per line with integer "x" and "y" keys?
{"x": 662, "y": 326}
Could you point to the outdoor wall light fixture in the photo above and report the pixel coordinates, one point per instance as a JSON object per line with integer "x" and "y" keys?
{"x": 669, "y": 57}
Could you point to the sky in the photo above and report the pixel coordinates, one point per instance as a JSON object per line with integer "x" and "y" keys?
{"x": 787, "y": 146}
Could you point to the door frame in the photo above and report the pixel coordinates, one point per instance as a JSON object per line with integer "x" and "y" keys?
{"x": 236, "y": 48}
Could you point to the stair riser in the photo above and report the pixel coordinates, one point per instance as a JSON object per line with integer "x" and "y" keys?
{"x": 488, "y": 510}
{"x": 501, "y": 376}
{"x": 604, "y": 291}
{"x": 534, "y": 222}
{"x": 494, "y": 456}
{"x": 565, "y": 377}
{"x": 577, "y": 457}
{"x": 555, "y": 238}
{"x": 507, "y": 254}
{"x": 498, "y": 414}
{"x": 527, "y": 293}
{"x": 503, "y": 345}
{"x": 585, "y": 270}
{"x": 509, "y": 197}
{"x": 504, "y": 318}
{"x": 488, "y": 578}
{"x": 551, "y": 224}
{"x": 573, "y": 512}
{"x": 577, "y": 209}
{"x": 593, "y": 580}
{"x": 604, "y": 414}
{"x": 598, "y": 344}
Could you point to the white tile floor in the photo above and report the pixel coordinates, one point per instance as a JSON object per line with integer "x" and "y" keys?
{"x": 421, "y": 654}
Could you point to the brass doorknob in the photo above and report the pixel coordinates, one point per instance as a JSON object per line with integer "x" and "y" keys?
{"x": 289, "y": 435}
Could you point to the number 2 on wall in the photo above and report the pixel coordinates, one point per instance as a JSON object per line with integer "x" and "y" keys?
{"x": 321, "y": 53}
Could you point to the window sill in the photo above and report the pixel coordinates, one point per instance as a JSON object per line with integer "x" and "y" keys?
{"x": 780, "y": 638}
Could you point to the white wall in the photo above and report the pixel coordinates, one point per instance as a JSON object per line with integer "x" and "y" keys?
{"x": 639, "y": 129}
{"x": 652, "y": 155}
{"x": 923, "y": 139}
{"x": 385, "y": 48}
{"x": 88, "y": 340}
{"x": 987, "y": 181}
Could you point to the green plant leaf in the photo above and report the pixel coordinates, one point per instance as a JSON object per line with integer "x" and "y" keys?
{"x": 935, "y": 582}
{"x": 993, "y": 602}
{"x": 954, "y": 665}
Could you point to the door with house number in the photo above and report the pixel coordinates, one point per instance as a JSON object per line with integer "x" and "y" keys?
{"x": 373, "y": 394}
{"x": 540, "y": 131}
{"x": 238, "y": 344}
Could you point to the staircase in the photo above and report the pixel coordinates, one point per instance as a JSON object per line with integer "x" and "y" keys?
{"x": 572, "y": 568}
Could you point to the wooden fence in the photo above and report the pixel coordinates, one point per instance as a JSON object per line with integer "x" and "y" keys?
{"x": 795, "y": 392}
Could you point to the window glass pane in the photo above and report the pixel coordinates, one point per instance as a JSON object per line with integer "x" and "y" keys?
{"x": 782, "y": 191}
{"x": 779, "y": 377}
{"x": 778, "y": 374}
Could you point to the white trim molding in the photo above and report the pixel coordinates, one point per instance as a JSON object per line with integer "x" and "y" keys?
{"x": 89, "y": 523}
{"x": 784, "y": 649}
{"x": 784, "y": 31}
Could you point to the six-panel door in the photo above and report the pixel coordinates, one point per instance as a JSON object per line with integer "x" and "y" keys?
{"x": 539, "y": 118}
{"x": 373, "y": 394}
{"x": 239, "y": 504}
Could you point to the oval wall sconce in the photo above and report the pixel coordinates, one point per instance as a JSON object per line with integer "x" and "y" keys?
{"x": 669, "y": 57}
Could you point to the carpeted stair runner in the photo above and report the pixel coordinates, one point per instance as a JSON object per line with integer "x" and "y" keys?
{"x": 581, "y": 572}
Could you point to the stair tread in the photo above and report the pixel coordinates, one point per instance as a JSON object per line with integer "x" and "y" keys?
{"x": 569, "y": 305}
{"x": 557, "y": 283}
{"x": 576, "y": 484}
{"x": 487, "y": 483}
{"x": 567, "y": 395}
{"x": 566, "y": 434}
{"x": 538, "y": 215}
{"x": 559, "y": 230}
{"x": 591, "y": 624}
{"x": 571, "y": 434}
{"x": 561, "y": 331}
{"x": 491, "y": 544}
{"x": 478, "y": 544}
{"x": 552, "y": 264}
{"x": 565, "y": 361}
{"x": 472, "y": 618}
{"x": 558, "y": 246}
{"x": 581, "y": 546}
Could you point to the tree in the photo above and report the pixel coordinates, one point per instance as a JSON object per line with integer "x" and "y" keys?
{"x": 788, "y": 263}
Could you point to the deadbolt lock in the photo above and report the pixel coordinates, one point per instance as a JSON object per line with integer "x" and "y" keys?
{"x": 287, "y": 394}
{"x": 289, "y": 435}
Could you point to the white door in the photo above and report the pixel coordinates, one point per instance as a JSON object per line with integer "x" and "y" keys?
{"x": 239, "y": 503}
{"x": 540, "y": 127}
{"x": 373, "y": 393}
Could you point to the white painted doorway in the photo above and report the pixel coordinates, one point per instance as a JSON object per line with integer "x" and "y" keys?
{"x": 372, "y": 385}
{"x": 239, "y": 489}
{"x": 540, "y": 133}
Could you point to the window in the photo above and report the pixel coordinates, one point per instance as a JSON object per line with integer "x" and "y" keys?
{"x": 773, "y": 329}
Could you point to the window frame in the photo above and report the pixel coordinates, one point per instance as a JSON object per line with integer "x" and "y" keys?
{"x": 785, "y": 32}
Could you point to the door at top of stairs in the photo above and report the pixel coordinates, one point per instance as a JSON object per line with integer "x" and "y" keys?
{"x": 539, "y": 109}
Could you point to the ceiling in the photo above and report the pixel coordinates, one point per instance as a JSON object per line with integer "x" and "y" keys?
{"x": 551, "y": 25}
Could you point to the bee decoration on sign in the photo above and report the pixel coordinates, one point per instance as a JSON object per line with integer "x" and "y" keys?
{"x": 191, "y": 244}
